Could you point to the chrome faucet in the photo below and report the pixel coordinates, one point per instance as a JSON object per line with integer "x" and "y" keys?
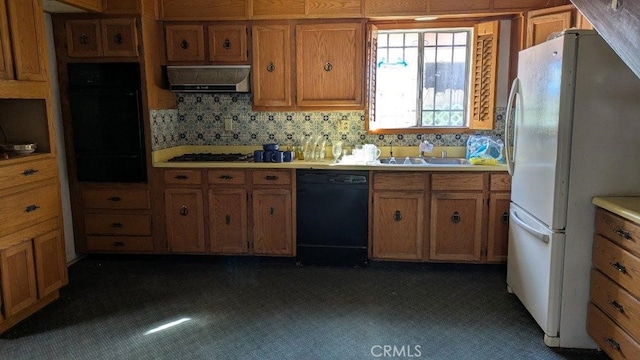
{"x": 424, "y": 147}
{"x": 444, "y": 154}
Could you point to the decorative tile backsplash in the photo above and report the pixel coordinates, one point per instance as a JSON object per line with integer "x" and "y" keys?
{"x": 199, "y": 120}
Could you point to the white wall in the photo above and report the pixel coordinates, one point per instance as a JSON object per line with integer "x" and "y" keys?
{"x": 62, "y": 158}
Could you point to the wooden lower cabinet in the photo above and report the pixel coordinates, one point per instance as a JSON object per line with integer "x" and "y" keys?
{"x": 185, "y": 220}
{"x": 498, "y": 237}
{"x": 398, "y": 225}
{"x": 272, "y": 222}
{"x": 456, "y": 226}
{"x": 228, "y": 221}
{"x": 51, "y": 267}
{"x": 19, "y": 289}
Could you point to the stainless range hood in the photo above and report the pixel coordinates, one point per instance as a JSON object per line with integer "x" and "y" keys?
{"x": 221, "y": 79}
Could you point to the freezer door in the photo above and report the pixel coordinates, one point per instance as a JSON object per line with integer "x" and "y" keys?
{"x": 542, "y": 135}
{"x": 534, "y": 270}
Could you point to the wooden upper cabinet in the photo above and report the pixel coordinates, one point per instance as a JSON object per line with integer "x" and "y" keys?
{"x": 228, "y": 43}
{"x": 271, "y": 50}
{"x": 277, "y": 8}
{"x": 203, "y": 9}
{"x": 525, "y": 4}
{"x": 121, "y": 7}
{"x": 334, "y": 8}
{"x": 466, "y": 6}
{"x": 101, "y": 37}
{"x": 91, "y": 5}
{"x": 119, "y": 37}
{"x": 185, "y": 42}
{"x": 26, "y": 29}
{"x": 544, "y": 22}
{"x": 330, "y": 64}
{"x": 6, "y": 61}
{"x": 83, "y": 38}
{"x": 485, "y": 69}
{"x": 373, "y": 8}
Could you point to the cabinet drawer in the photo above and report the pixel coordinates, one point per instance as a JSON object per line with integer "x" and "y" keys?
{"x": 610, "y": 337}
{"x": 617, "y": 263}
{"x": 271, "y": 177}
{"x": 24, "y": 173}
{"x": 500, "y": 182}
{"x": 614, "y": 301}
{"x": 226, "y": 176}
{"x": 29, "y": 206}
{"x": 103, "y": 224}
{"x": 457, "y": 182}
{"x": 116, "y": 199}
{"x": 399, "y": 181}
{"x": 185, "y": 177}
{"x": 621, "y": 231}
{"x": 120, "y": 243}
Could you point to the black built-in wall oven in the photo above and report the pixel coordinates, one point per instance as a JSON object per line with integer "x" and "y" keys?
{"x": 106, "y": 122}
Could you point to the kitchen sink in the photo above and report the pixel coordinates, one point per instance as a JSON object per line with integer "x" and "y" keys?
{"x": 403, "y": 161}
{"x": 446, "y": 161}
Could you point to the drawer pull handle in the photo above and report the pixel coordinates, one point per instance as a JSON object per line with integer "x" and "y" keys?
{"x": 29, "y": 172}
{"x": 116, "y": 225}
{"x": 227, "y": 219}
{"x": 226, "y": 44}
{"x": 184, "y": 211}
{"x": 328, "y": 67}
{"x": 117, "y": 39}
{"x": 614, "y": 344}
{"x": 31, "y": 208}
{"x": 225, "y": 177}
{"x": 84, "y": 39}
{"x": 455, "y": 218}
{"x": 397, "y": 216}
{"x": 271, "y": 177}
{"x": 114, "y": 198}
{"x": 118, "y": 244}
{"x": 181, "y": 177}
{"x": 621, "y": 268}
{"x": 619, "y": 308}
{"x": 271, "y": 211}
{"x": 623, "y": 233}
{"x": 505, "y": 218}
{"x": 184, "y": 44}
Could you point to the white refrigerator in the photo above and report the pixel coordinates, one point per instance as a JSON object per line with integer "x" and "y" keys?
{"x": 574, "y": 118}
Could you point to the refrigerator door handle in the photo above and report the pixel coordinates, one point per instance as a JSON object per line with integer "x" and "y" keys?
{"x": 510, "y": 153}
{"x": 543, "y": 237}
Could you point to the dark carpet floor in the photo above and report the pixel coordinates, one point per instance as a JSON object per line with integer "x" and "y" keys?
{"x": 240, "y": 308}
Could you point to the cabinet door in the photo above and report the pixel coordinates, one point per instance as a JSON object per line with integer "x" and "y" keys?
{"x": 51, "y": 268}
{"x": 26, "y": 24}
{"x": 185, "y": 220}
{"x": 94, "y": 5}
{"x": 272, "y": 222}
{"x": 271, "y": 65}
{"x": 119, "y": 37}
{"x": 83, "y": 38}
{"x": 398, "y": 225}
{"x": 6, "y": 62}
{"x": 185, "y": 42}
{"x": 228, "y": 221}
{"x": 18, "y": 278}
{"x": 228, "y": 43}
{"x": 542, "y": 23}
{"x": 498, "y": 227}
{"x": 456, "y": 226}
{"x": 330, "y": 64}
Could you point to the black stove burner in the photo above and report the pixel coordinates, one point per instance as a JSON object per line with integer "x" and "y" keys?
{"x": 213, "y": 157}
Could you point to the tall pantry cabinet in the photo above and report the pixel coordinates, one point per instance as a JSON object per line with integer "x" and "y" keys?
{"x": 32, "y": 257}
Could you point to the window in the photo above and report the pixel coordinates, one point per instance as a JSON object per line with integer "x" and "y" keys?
{"x": 432, "y": 78}
{"x": 425, "y": 86}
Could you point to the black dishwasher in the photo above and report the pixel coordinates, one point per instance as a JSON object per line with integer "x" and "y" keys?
{"x": 332, "y": 213}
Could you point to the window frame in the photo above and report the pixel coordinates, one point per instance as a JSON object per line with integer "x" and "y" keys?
{"x": 474, "y": 124}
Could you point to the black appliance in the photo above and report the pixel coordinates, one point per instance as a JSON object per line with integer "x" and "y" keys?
{"x": 332, "y": 213}
{"x": 106, "y": 118}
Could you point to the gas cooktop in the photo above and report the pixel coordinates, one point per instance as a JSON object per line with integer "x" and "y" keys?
{"x": 213, "y": 157}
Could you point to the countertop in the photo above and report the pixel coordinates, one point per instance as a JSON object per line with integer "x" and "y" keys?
{"x": 160, "y": 160}
{"x": 626, "y": 206}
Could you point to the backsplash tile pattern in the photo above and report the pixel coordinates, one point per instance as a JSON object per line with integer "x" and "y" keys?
{"x": 199, "y": 120}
